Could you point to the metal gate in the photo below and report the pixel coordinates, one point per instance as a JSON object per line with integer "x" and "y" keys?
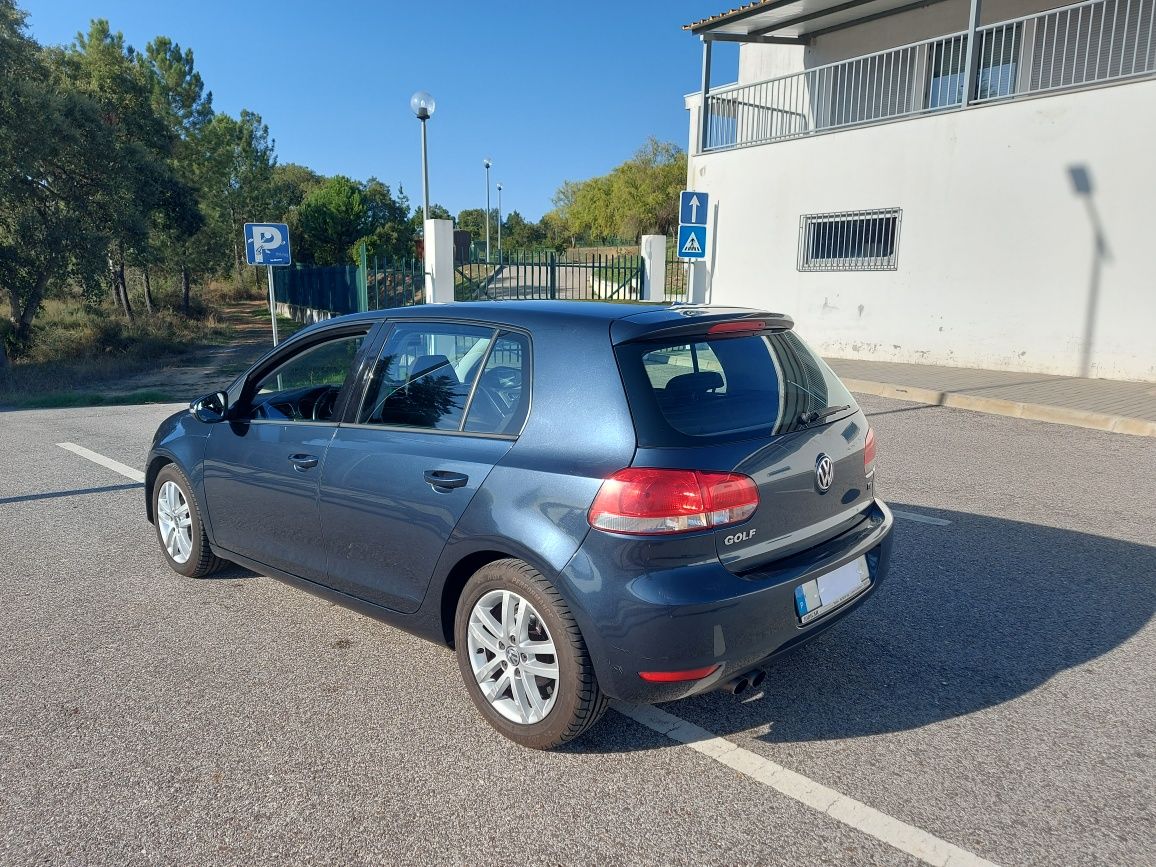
{"x": 547, "y": 274}
{"x": 311, "y": 292}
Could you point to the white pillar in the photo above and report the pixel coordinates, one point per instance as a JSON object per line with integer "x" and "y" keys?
{"x": 654, "y": 267}
{"x": 698, "y": 283}
{"x": 439, "y": 261}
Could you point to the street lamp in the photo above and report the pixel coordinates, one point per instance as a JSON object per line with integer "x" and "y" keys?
{"x": 487, "y": 162}
{"x": 423, "y": 107}
{"x": 499, "y": 188}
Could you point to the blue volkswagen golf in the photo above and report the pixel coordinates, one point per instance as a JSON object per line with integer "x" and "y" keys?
{"x": 584, "y": 500}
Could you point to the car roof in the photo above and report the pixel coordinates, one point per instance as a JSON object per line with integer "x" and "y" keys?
{"x": 628, "y": 320}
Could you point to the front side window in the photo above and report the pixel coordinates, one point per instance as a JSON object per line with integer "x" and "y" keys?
{"x": 305, "y": 387}
{"x": 449, "y": 377}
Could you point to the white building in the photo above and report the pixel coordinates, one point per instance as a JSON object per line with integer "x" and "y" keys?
{"x": 938, "y": 181}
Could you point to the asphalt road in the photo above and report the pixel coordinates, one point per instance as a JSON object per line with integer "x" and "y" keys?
{"x": 998, "y": 692}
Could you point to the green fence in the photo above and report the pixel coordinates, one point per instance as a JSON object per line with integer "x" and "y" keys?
{"x": 549, "y": 275}
{"x": 675, "y": 274}
{"x": 376, "y": 285}
{"x": 311, "y": 287}
{"x": 400, "y": 283}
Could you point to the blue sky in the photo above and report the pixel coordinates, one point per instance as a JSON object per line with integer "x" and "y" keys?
{"x": 550, "y": 91}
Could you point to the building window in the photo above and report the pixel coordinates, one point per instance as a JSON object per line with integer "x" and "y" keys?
{"x": 999, "y": 51}
{"x": 946, "y": 58}
{"x": 850, "y": 240}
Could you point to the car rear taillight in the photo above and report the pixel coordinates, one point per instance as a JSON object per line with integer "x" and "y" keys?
{"x": 869, "y": 450}
{"x": 646, "y": 500}
{"x": 678, "y": 676}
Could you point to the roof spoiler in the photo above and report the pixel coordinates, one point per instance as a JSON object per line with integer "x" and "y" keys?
{"x": 698, "y": 321}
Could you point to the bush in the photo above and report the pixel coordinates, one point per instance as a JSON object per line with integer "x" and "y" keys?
{"x": 69, "y": 332}
{"x": 76, "y": 347}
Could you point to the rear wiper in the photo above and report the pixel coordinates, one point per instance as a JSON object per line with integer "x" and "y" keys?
{"x": 809, "y": 418}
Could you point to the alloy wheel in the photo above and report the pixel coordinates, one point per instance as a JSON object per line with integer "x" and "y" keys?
{"x": 513, "y": 657}
{"x": 175, "y": 522}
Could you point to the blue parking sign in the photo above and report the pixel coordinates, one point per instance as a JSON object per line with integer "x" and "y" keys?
{"x": 692, "y": 208}
{"x": 692, "y": 242}
{"x": 267, "y": 244}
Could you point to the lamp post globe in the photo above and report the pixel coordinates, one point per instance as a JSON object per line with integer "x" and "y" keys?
{"x": 423, "y": 105}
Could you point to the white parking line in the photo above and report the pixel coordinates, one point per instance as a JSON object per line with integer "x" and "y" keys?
{"x": 116, "y": 466}
{"x": 887, "y": 829}
{"x": 922, "y": 519}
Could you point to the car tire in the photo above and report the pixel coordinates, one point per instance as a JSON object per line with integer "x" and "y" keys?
{"x": 173, "y": 500}
{"x": 573, "y": 701}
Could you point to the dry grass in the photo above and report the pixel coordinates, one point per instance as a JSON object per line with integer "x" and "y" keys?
{"x": 76, "y": 349}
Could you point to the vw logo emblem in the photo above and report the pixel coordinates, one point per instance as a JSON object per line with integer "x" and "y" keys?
{"x": 824, "y": 473}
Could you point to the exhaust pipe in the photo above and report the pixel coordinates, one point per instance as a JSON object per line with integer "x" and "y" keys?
{"x": 749, "y": 680}
{"x": 738, "y": 685}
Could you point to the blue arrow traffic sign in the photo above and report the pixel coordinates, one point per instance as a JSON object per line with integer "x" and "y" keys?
{"x": 267, "y": 244}
{"x": 692, "y": 208}
{"x": 692, "y": 242}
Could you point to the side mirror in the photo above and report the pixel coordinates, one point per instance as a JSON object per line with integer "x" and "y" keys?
{"x": 211, "y": 408}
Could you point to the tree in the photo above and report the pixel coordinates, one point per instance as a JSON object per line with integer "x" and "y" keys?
{"x": 473, "y": 220}
{"x": 179, "y": 98}
{"x": 291, "y": 184}
{"x": 177, "y": 91}
{"x": 236, "y": 164}
{"x": 520, "y": 234}
{"x": 638, "y": 197}
{"x": 331, "y": 219}
{"x": 389, "y": 232}
{"x": 60, "y": 182}
{"x": 436, "y": 212}
{"x": 141, "y": 183}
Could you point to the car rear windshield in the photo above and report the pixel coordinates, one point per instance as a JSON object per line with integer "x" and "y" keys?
{"x": 727, "y": 388}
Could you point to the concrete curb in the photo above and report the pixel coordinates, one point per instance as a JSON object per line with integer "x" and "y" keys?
{"x": 1014, "y": 408}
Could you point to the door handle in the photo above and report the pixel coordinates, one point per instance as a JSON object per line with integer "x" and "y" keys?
{"x": 444, "y": 480}
{"x": 301, "y": 463}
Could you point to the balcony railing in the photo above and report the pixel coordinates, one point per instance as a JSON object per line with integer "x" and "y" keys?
{"x": 1075, "y": 46}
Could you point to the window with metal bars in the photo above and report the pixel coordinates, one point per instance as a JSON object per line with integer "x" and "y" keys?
{"x": 850, "y": 240}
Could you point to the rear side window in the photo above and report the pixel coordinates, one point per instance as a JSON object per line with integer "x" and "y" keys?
{"x": 726, "y": 388}
{"x": 450, "y": 377}
{"x": 424, "y": 375}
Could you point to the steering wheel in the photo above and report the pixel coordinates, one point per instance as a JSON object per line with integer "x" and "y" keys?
{"x": 504, "y": 383}
{"x": 324, "y": 405}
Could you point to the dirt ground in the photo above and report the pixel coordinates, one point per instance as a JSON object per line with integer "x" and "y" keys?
{"x": 210, "y": 367}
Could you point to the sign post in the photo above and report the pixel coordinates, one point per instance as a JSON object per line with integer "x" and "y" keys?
{"x": 692, "y": 215}
{"x": 693, "y": 210}
{"x": 268, "y": 244}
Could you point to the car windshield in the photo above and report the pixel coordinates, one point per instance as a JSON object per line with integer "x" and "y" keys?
{"x": 729, "y": 387}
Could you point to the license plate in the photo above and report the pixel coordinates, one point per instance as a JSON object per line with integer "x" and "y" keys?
{"x": 827, "y": 592}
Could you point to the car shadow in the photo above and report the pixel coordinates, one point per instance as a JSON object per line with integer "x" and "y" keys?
{"x": 973, "y": 614}
{"x": 231, "y": 572}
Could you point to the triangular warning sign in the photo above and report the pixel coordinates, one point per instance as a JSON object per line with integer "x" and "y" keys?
{"x": 691, "y": 245}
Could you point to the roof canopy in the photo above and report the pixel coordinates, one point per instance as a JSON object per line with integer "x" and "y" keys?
{"x": 794, "y": 20}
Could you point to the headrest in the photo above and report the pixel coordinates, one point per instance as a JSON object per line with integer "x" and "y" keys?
{"x": 693, "y": 383}
{"x": 439, "y": 364}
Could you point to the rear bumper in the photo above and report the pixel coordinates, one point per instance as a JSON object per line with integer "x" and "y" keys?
{"x": 687, "y": 615}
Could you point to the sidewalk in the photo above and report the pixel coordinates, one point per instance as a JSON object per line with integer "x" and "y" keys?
{"x": 1102, "y": 404}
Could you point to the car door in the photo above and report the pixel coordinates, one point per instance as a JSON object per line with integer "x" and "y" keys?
{"x": 443, "y": 404}
{"x": 262, "y": 467}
